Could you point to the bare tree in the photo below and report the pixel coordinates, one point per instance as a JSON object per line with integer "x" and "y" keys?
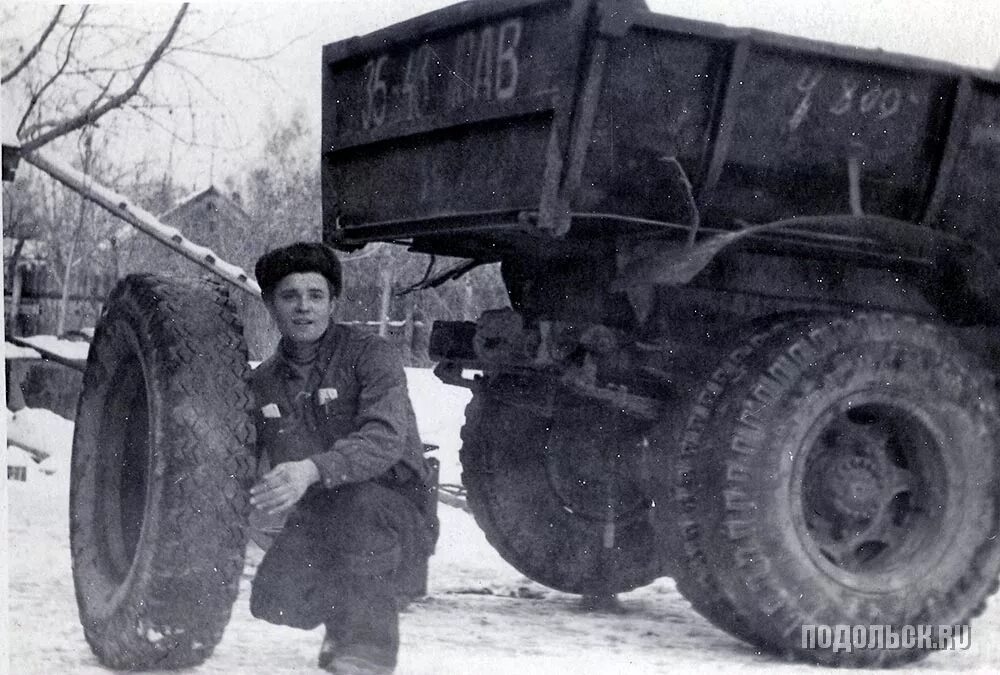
{"x": 33, "y": 52}
{"x": 72, "y": 84}
{"x": 86, "y": 62}
{"x": 82, "y": 77}
{"x": 87, "y": 158}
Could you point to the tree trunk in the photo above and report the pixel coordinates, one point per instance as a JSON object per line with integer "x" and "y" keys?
{"x": 385, "y": 298}
{"x": 15, "y": 302}
{"x": 16, "y": 284}
{"x": 81, "y": 217}
{"x": 67, "y": 278}
{"x": 408, "y": 355}
{"x": 116, "y": 263}
{"x": 467, "y": 310}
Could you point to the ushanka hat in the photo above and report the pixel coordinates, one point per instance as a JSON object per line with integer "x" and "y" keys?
{"x": 300, "y": 257}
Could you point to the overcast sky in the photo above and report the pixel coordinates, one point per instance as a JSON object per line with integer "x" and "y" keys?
{"x": 960, "y": 31}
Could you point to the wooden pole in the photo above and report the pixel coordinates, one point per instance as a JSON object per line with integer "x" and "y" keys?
{"x": 142, "y": 220}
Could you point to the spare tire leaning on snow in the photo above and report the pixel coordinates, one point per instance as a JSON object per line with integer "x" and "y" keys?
{"x": 162, "y": 462}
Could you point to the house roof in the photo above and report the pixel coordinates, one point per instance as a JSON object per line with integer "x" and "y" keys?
{"x": 222, "y": 202}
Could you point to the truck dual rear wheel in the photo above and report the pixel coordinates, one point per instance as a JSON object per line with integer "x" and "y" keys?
{"x": 560, "y": 488}
{"x": 162, "y": 461}
{"x": 684, "y": 525}
{"x": 849, "y": 476}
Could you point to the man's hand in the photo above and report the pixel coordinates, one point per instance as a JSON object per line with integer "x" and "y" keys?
{"x": 283, "y": 486}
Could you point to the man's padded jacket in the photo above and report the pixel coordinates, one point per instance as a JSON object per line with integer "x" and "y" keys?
{"x": 348, "y": 410}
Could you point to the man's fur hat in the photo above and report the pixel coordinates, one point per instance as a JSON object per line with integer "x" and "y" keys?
{"x": 301, "y": 256}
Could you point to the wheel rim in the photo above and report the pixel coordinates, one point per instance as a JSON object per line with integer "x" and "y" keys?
{"x": 541, "y": 500}
{"x": 595, "y": 469}
{"x": 871, "y": 495}
{"x": 123, "y": 476}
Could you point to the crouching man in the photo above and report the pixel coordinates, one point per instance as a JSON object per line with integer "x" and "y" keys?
{"x": 336, "y": 424}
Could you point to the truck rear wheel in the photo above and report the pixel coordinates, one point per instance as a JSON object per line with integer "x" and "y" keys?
{"x": 852, "y": 480}
{"x": 162, "y": 460}
{"x": 683, "y": 525}
{"x": 559, "y": 488}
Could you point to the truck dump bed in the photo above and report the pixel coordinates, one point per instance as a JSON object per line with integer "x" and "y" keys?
{"x": 488, "y": 122}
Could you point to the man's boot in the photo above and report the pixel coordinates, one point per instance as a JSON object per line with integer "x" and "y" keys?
{"x": 348, "y": 664}
{"x": 328, "y": 650}
{"x": 367, "y": 634}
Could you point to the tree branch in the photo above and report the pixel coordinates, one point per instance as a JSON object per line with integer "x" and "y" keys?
{"x": 33, "y": 52}
{"x": 43, "y": 124}
{"x": 187, "y": 72}
{"x": 55, "y": 76}
{"x": 92, "y": 114}
{"x": 104, "y": 91}
{"x": 190, "y": 49}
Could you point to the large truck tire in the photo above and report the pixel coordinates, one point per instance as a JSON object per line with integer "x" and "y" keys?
{"x": 557, "y": 491}
{"x": 682, "y": 525}
{"x": 162, "y": 462}
{"x": 852, "y": 480}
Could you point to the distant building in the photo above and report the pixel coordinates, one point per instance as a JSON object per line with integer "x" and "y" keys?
{"x": 32, "y": 287}
{"x": 206, "y": 213}
{"x": 10, "y": 159}
{"x": 32, "y": 290}
{"x": 25, "y": 266}
{"x": 207, "y": 217}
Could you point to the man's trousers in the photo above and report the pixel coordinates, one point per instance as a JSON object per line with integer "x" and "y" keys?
{"x": 342, "y": 560}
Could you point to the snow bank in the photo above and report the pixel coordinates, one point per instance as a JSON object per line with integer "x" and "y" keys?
{"x": 41, "y": 442}
{"x": 69, "y": 349}
{"x": 440, "y": 410}
{"x": 41, "y": 431}
{"x": 12, "y": 351}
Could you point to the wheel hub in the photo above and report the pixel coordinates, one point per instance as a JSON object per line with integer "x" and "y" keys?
{"x": 871, "y": 488}
{"x": 853, "y": 488}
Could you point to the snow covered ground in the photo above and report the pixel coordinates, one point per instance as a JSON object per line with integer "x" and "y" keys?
{"x": 69, "y": 349}
{"x": 481, "y": 615}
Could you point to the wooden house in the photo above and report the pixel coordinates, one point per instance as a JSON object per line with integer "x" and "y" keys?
{"x": 208, "y": 217}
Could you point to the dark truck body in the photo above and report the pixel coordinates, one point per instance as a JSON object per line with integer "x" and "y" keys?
{"x": 752, "y": 341}
{"x": 474, "y": 126}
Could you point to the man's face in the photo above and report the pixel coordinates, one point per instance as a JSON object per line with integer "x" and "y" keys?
{"x": 301, "y": 306}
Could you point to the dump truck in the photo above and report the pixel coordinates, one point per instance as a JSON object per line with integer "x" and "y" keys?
{"x": 752, "y": 337}
{"x": 751, "y": 341}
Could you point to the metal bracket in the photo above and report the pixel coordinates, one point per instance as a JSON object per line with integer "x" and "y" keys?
{"x": 449, "y": 274}
{"x": 854, "y": 184}
{"x": 450, "y": 372}
{"x": 679, "y": 177}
